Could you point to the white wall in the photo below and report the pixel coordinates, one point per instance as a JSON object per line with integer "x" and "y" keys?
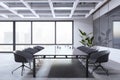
{"x": 106, "y": 8}
{"x": 83, "y": 24}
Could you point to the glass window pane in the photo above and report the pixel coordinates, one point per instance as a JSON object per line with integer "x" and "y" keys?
{"x": 43, "y": 32}
{"x": 6, "y": 32}
{"x": 63, "y": 32}
{"x": 6, "y": 48}
{"x": 22, "y": 47}
{"x": 23, "y": 32}
{"x": 116, "y": 34}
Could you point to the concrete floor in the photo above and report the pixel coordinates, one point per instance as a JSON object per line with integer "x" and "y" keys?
{"x": 7, "y": 64}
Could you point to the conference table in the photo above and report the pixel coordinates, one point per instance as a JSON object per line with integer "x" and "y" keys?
{"x": 52, "y": 53}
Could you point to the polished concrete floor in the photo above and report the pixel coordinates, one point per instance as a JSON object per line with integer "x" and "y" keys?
{"x": 7, "y": 64}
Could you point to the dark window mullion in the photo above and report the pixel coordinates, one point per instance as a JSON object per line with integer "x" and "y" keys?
{"x": 55, "y": 32}
{"x": 14, "y": 36}
{"x": 31, "y": 33}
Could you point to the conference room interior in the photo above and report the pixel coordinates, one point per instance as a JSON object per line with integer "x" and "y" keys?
{"x": 47, "y": 35}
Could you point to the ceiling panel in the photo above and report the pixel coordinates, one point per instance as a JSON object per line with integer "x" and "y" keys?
{"x": 15, "y": 4}
{"x": 48, "y": 8}
{"x": 36, "y": 4}
{"x": 5, "y": 12}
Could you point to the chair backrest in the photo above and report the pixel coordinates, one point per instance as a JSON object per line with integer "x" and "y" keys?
{"x": 30, "y": 50}
{"x": 25, "y": 54}
{"x": 87, "y": 50}
{"x": 39, "y": 48}
{"x": 104, "y": 57}
{"x": 19, "y": 58}
{"x": 82, "y": 48}
{"x": 100, "y": 56}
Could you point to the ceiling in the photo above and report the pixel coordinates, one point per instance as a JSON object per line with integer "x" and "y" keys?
{"x": 48, "y": 8}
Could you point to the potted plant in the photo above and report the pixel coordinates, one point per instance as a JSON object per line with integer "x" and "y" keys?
{"x": 87, "y": 39}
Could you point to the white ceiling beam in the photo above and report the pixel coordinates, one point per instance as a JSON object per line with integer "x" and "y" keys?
{"x": 74, "y": 7}
{"x": 3, "y": 15}
{"x": 36, "y": 1}
{"x": 96, "y": 8}
{"x": 51, "y": 7}
{"x": 19, "y": 8}
{"x": 91, "y": 1}
{"x": 9, "y": 1}
{"x": 41, "y": 1}
{"x": 29, "y": 8}
{"x": 6, "y": 7}
{"x": 62, "y": 8}
{"x": 6, "y": 13}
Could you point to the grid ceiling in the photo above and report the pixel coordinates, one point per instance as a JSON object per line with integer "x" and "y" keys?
{"x": 48, "y": 8}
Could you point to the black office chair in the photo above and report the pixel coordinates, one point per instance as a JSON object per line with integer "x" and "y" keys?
{"x": 31, "y": 50}
{"x": 98, "y": 58}
{"x": 23, "y": 58}
{"x": 87, "y": 50}
{"x": 39, "y": 48}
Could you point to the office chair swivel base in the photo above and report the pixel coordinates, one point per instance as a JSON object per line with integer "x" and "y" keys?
{"x": 96, "y": 67}
{"x": 23, "y": 66}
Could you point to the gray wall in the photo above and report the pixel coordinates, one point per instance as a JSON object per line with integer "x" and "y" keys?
{"x": 112, "y": 4}
{"x": 103, "y": 28}
{"x": 83, "y": 24}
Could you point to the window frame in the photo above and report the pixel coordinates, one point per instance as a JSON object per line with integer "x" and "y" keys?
{"x": 14, "y": 33}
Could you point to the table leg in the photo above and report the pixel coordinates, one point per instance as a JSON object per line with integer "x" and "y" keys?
{"x": 87, "y": 67}
{"x": 34, "y": 68}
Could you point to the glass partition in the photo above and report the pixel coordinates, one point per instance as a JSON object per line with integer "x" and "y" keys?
{"x": 116, "y": 34}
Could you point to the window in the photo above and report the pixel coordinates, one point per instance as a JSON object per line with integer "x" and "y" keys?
{"x": 6, "y": 48}
{"x": 23, "y": 32}
{"x": 116, "y": 34}
{"x": 43, "y": 32}
{"x": 6, "y": 36}
{"x": 22, "y": 47}
{"x": 63, "y": 32}
{"x": 6, "y": 32}
{"x": 29, "y": 34}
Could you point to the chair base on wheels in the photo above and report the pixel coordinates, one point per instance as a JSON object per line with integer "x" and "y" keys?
{"x": 23, "y": 67}
{"x": 99, "y": 65}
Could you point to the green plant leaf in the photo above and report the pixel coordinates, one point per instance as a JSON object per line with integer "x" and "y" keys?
{"x": 92, "y": 38}
{"x": 83, "y": 43}
{"x": 87, "y": 40}
{"x": 82, "y": 33}
{"x": 83, "y": 40}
